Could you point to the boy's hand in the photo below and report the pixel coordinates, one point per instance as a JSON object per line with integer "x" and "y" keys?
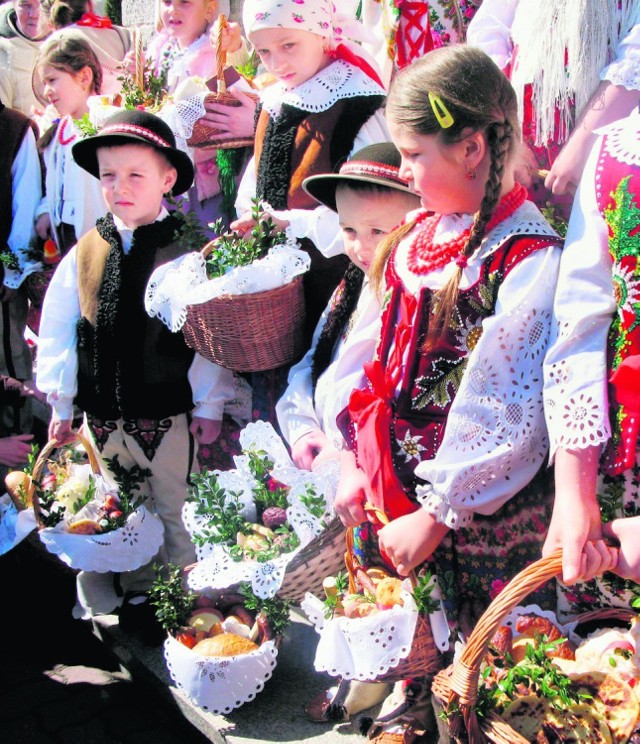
{"x": 205, "y": 430}
{"x": 305, "y": 450}
{"x": 246, "y": 223}
{"x": 410, "y": 540}
{"x": 15, "y": 450}
{"x": 60, "y": 430}
{"x": 236, "y": 121}
{"x": 43, "y": 226}
{"x": 230, "y": 38}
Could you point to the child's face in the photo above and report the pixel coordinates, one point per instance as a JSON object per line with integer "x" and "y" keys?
{"x": 67, "y": 91}
{"x": 291, "y": 55}
{"x": 432, "y": 169}
{"x": 186, "y": 20}
{"x": 367, "y": 217}
{"x": 134, "y": 179}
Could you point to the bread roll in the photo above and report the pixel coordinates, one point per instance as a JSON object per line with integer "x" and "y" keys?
{"x": 225, "y": 644}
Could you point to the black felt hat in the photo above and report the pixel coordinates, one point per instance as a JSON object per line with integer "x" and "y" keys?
{"x": 134, "y": 127}
{"x": 376, "y": 164}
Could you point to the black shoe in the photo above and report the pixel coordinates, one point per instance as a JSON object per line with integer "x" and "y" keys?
{"x": 138, "y": 617}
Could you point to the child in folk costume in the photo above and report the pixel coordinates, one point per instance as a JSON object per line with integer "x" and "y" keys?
{"x": 592, "y": 378}
{"x": 69, "y": 73}
{"x": 324, "y": 105}
{"x": 137, "y": 383}
{"x": 371, "y": 199}
{"x": 573, "y": 65}
{"x": 448, "y": 436}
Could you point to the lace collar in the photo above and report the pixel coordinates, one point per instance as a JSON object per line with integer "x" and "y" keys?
{"x": 336, "y": 81}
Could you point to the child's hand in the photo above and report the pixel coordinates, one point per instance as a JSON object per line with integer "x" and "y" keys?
{"x": 129, "y": 62}
{"x": 351, "y": 495}
{"x": 627, "y": 531}
{"x": 230, "y": 38}
{"x": 43, "y": 226}
{"x": 15, "y": 450}
{"x": 60, "y": 430}
{"x": 246, "y": 223}
{"x": 305, "y": 450}
{"x": 408, "y": 541}
{"x": 205, "y": 430}
{"x": 235, "y": 121}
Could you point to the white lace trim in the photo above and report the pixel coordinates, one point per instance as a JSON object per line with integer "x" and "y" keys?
{"x": 124, "y": 549}
{"x": 220, "y": 684}
{"x": 444, "y": 513}
{"x": 181, "y": 116}
{"x": 621, "y": 141}
{"x": 338, "y": 80}
{"x": 215, "y": 568}
{"x": 182, "y": 282}
{"x": 624, "y": 72}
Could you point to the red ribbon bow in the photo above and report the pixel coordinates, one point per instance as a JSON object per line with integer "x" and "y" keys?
{"x": 95, "y": 21}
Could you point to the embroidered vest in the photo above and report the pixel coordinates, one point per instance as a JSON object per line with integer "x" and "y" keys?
{"x": 410, "y": 423}
{"x": 618, "y": 198}
{"x": 13, "y": 128}
{"x": 129, "y": 364}
{"x": 298, "y": 144}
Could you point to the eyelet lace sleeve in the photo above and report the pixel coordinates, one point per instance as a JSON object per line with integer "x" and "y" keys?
{"x": 495, "y": 439}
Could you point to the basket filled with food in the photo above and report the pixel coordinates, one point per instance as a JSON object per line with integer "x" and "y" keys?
{"x": 252, "y": 522}
{"x": 375, "y": 626}
{"x": 221, "y": 648}
{"x": 90, "y": 521}
{"x": 239, "y": 302}
{"x": 522, "y": 677}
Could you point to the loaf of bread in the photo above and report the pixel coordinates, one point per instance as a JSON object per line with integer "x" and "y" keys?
{"x": 225, "y": 644}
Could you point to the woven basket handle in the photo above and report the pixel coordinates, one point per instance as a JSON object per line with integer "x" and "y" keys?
{"x": 44, "y": 455}
{"x": 221, "y": 54}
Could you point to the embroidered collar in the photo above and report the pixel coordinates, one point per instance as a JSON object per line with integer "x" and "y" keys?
{"x": 338, "y": 80}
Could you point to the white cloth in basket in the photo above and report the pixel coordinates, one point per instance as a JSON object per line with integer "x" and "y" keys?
{"x": 218, "y": 685}
{"x": 14, "y": 525}
{"x": 182, "y": 282}
{"x": 215, "y": 568}
{"x": 124, "y": 549}
{"x": 366, "y": 647}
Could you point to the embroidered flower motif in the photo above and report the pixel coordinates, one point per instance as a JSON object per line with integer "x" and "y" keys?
{"x": 297, "y": 18}
{"x": 469, "y": 335}
{"x": 411, "y": 447}
{"x": 262, "y": 16}
{"x": 581, "y": 414}
{"x": 626, "y": 290}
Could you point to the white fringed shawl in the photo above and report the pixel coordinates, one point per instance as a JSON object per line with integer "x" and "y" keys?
{"x": 588, "y": 31}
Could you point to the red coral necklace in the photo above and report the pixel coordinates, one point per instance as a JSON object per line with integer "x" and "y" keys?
{"x": 424, "y": 256}
{"x": 61, "y": 137}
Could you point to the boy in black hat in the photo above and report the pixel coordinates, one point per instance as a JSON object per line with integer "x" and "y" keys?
{"x": 135, "y": 380}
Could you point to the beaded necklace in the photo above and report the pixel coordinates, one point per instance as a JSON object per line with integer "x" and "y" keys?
{"x": 61, "y": 138}
{"x": 424, "y": 256}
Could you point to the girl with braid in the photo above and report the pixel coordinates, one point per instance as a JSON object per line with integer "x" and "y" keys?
{"x": 448, "y": 436}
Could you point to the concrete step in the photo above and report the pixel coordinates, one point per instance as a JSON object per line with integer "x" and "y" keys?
{"x": 276, "y": 715}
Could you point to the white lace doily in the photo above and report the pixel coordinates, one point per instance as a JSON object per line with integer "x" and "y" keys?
{"x": 14, "y": 525}
{"x": 215, "y": 568}
{"x": 365, "y": 647}
{"x": 333, "y": 83}
{"x": 182, "y": 282}
{"x": 219, "y": 685}
{"x": 124, "y": 549}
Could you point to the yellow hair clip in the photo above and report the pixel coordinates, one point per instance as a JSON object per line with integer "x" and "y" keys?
{"x": 440, "y": 111}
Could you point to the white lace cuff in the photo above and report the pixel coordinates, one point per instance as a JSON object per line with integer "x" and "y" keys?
{"x": 624, "y": 72}
{"x": 440, "y": 509}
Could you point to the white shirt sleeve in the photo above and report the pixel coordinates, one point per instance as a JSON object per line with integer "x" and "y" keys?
{"x": 495, "y": 438}
{"x": 27, "y": 192}
{"x": 575, "y": 392}
{"x": 57, "y": 343}
{"x": 320, "y": 225}
{"x": 624, "y": 71}
{"x": 211, "y": 386}
{"x": 490, "y": 30}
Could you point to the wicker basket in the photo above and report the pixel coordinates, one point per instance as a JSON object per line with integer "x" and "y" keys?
{"x": 323, "y": 556}
{"x": 251, "y": 332}
{"x": 204, "y": 137}
{"x": 37, "y": 285}
{"x": 459, "y": 684}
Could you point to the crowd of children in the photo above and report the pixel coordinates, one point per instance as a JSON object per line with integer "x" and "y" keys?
{"x": 454, "y": 348}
